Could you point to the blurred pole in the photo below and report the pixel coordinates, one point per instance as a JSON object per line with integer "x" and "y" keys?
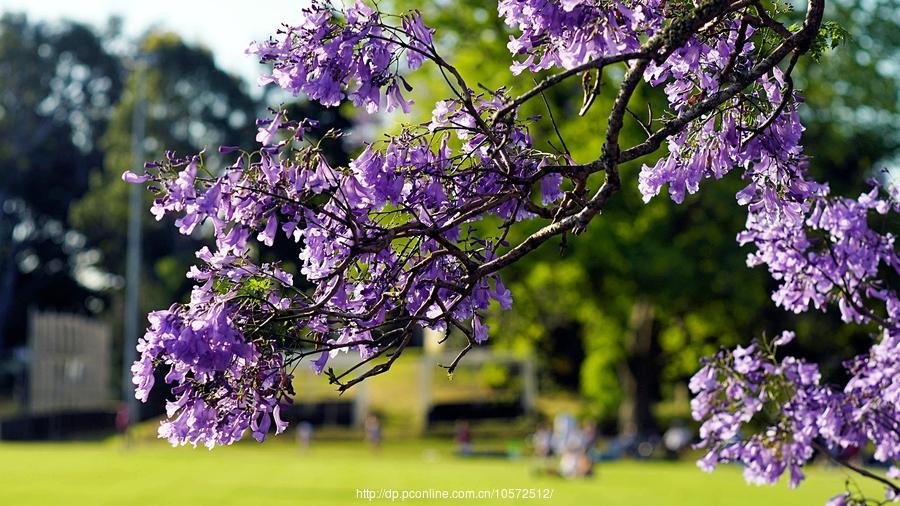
{"x": 133, "y": 258}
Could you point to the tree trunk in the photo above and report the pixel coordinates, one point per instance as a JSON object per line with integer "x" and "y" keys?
{"x": 8, "y": 271}
{"x": 7, "y": 285}
{"x": 639, "y": 373}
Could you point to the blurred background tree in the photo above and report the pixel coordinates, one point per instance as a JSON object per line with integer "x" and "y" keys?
{"x": 57, "y": 86}
{"x": 66, "y": 106}
{"x": 853, "y": 121}
{"x": 190, "y": 105}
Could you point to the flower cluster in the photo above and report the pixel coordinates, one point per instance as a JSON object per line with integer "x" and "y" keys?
{"x": 331, "y": 54}
{"x": 763, "y": 140}
{"x": 738, "y": 391}
{"x": 829, "y": 253}
{"x": 570, "y": 33}
{"x": 209, "y": 359}
{"x": 735, "y": 391}
{"x": 873, "y": 394}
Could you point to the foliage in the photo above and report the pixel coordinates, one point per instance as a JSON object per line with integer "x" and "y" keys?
{"x": 190, "y": 104}
{"x": 388, "y": 243}
{"x": 57, "y": 84}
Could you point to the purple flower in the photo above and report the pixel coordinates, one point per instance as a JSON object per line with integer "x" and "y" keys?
{"x": 479, "y": 329}
{"x": 267, "y": 236}
{"x": 268, "y": 130}
{"x": 328, "y": 60}
{"x": 838, "y": 500}
{"x": 131, "y": 177}
{"x": 786, "y": 337}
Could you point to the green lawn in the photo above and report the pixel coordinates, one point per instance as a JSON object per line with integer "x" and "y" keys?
{"x": 278, "y": 473}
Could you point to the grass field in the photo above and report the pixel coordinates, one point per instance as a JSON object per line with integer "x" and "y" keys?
{"x": 278, "y": 473}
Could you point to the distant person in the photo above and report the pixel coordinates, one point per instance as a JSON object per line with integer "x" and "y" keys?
{"x": 122, "y": 418}
{"x": 564, "y": 427}
{"x": 568, "y": 463}
{"x": 571, "y": 451}
{"x": 676, "y": 439}
{"x": 373, "y": 431}
{"x": 584, "y": 467}
{"x": 123, "y": 423}
{"x": 542, "y": 441}
{"x": 588, "y": 435}
{"x": 463, "y": 438}
{"x": 304, "y": 435}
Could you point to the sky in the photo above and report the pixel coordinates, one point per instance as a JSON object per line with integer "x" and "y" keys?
{"x": 226, "y": 26}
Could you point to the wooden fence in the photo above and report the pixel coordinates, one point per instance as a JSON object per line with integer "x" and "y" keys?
{"x": 70, "y": 363}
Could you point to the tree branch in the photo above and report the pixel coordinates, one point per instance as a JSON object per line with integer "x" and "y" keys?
{"x": 856, "y": 469}
{"x": 799, "y": 42}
